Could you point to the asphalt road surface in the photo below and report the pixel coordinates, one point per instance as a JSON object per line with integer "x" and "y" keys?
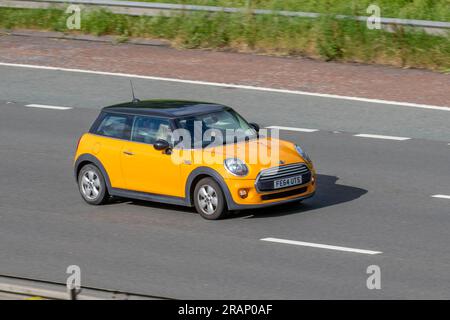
{"x": 373, "y": 194}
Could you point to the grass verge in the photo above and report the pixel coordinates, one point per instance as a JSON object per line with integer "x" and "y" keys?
{"x": 438, "y": 10}
{"x": 325, "y": 38}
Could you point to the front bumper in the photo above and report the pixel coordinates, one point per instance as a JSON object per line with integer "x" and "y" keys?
{"x": 256, "y": 199}
{"x": 236, "y": 206}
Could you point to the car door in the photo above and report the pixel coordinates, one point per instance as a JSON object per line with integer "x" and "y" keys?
{"x": 109, "y": 137}
{"x": 145, "y": 168}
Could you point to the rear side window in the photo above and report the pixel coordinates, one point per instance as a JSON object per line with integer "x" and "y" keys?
{"x": 148, "y": 130}
{"x": 115, "y": 126}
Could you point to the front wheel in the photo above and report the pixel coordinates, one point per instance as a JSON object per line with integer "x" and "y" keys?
{"x": 92, "y": 185}
{"x": 209, "y": 199}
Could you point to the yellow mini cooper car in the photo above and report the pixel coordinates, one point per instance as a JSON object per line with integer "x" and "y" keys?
{"x": 192, "y": 154}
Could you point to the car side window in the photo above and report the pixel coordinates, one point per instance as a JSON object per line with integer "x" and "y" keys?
{"x": 115, "y": 126}
{"x": 148, "y": 130}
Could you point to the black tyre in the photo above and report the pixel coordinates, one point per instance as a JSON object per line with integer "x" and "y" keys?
{"x": 209, "y": 199}
{"x": 92, "y": 186}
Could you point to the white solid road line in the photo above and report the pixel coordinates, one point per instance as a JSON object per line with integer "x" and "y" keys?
{"x": 293, "y": 129}
{"x": 229, "y": 85}
{"x": 376, "y": 136}
{"x": 321, "y": 246}
{"x": 43, "y": 106}
{"x": 441, "y": 196}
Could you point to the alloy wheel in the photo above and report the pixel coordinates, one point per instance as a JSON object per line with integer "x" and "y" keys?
{"x": 207, "y": 199}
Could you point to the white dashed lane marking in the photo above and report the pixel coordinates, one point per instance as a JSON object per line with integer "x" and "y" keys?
{"x": 376, "y": 136}
{"x": 321, "y": 246}
{"x": 293, "y": 129}
{"x": 441, "y": 196}
{"x": 361, "y": 135}
{"x": 43, "y": 106}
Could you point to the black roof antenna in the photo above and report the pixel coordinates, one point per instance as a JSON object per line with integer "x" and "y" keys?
{"x": 135, "y": 100}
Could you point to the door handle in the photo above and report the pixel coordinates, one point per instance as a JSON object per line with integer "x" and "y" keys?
{"x": 128, "y": 153}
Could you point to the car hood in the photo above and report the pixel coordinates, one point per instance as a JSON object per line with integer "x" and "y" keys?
{"x": 258, "y": 154}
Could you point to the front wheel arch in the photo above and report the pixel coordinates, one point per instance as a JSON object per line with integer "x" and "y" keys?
{"x": 205, "y": 172}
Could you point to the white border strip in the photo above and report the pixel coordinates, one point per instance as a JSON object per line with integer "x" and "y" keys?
{"x": 321, "y": 246}
{"x": 376, "y": 136}
{"x": 41, "y": 293}
{"x": 441, "y": 196}
{"x": 293, "y": 129}
{"x": 217, "y": 84}
{"x": 43, "y": 106}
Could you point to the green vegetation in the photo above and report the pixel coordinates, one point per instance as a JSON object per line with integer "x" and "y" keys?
{"x": 325, "y": 38}
{"x": 438, "y": 10}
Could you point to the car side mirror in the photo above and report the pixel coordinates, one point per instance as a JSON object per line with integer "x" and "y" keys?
{"x": 254, "y": 126}
{"x": 161, "y": 145}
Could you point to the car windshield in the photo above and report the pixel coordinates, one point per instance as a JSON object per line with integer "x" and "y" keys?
{"x": 216, "y": 128}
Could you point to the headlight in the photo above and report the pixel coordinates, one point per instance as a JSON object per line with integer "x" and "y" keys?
{"x": 236, "y": 167}
{"x": 302, "y": 153}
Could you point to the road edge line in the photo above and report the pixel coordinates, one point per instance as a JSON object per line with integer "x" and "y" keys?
{"x": 231, "y": 85}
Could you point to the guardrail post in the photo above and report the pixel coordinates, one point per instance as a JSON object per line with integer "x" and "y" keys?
{"x": 73, "y": 292}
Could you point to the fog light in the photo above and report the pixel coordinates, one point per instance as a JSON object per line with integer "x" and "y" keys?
{"x": 243, "y": 193}
{"x": 313, "y": 180}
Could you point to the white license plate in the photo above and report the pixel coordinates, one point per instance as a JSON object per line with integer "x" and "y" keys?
{"x": 287, "y": 182}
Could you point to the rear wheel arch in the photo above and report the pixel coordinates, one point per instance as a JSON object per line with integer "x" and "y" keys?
{"x": 86, "y": 159}
{"x": 80, "y": 166}
{"x": 92, "y": 185}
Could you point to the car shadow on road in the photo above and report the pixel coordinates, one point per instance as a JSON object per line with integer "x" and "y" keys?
{"x": 152, "y": 204}
{"x": 329, "y": 193}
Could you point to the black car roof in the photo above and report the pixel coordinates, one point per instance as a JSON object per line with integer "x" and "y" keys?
{"x": 166, "y": 108}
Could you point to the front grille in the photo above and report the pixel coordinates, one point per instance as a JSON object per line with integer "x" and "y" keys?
{"x": 283, "y": 194}
{"x": 266, "y": 178}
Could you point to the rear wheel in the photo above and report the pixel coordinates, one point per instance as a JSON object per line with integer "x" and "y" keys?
{"x": 209, "y": 199}
{"x": 92, "y": 185}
